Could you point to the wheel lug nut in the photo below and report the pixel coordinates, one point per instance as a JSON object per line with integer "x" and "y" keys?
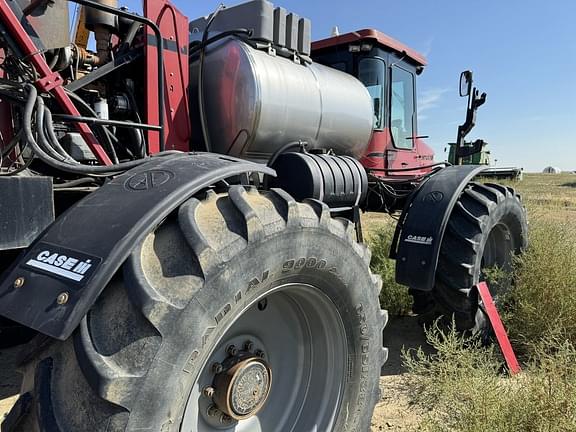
{"x": 217, "y": 368}
{"x": 213, "y": 411}
{"x": 232, "y": 350}
{"x": 225, "y": 419}
{"x": 208, "y": 392}
{"x": 248, "y": 345}
{"x": 260, "y": 354}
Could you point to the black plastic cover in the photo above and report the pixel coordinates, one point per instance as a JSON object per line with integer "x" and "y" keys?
{"x": 338, "y": 181}
{"x": 268, "y": 24}
{"x": 421, "y": 228}
{"x": 60, "y": 277}
{"x": 26, "y": 209}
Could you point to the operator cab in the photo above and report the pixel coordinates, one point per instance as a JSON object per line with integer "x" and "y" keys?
{"x": 388, "y": 69}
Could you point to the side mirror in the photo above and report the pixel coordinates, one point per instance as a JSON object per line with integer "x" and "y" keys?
{"x": 465, "y": 83}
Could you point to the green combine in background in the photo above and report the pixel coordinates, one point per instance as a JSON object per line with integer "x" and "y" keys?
{"x": 479, "y": 158}
{"x": 482, "y": 157}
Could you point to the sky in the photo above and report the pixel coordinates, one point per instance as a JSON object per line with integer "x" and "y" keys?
{"x": 522, "y": 53}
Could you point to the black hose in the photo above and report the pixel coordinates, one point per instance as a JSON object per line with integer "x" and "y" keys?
{"x": 46, "y": 137}
{"x": 74, "y": 183}
{"x": 105, "y": 133}
{"x": 7, "y": 150}
{"x": 52, "y": 138}
{"x": 283, "y": 149}
{"x": 13, "y": 91}
{"x": 141, "y": 140}
{"x": 42, "y": 141}
{"x": 64, "y": 166}
{"x": 410, "y": 169}
{"x": 11, "y": 145}
{"x": 138, "y": 141}
{"x": 17, "y": 170}
{"x": 236, "y": 32}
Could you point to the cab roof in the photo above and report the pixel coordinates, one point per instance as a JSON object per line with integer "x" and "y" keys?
{"x": 367, "y": 34}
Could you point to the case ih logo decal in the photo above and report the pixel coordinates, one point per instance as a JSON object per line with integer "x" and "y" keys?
{"x": 423, "y": 240}
{"x": 62, "y": 263}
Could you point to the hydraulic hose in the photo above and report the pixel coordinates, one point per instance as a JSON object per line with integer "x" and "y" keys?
{"x": 236, "y": 32}
{"x": 75, "y": 183}
{"x": 411, "y": 168}
{"x": 65, "y": 166}
{"x": 52, "y": 138}
{"x": 105, "y": 134}
{"x": 11, "y": 145}
{"x": 285, "y": 148}
{"x": 42, "y": 141}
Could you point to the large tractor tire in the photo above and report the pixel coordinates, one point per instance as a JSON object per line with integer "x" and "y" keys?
{"x": 486, "y": 229}
{"x": 244, "y": 311}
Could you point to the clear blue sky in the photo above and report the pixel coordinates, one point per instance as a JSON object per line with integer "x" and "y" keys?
{"x": 522, "y": 52}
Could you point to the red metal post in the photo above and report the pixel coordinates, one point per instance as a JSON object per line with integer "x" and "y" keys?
{"x": 498, "y": 327}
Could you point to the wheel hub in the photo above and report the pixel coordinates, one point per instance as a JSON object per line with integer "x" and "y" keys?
{"x": 242, "y": 389}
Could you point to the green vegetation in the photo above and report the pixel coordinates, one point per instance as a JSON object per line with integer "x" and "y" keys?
{"x": 543, "y": 301}
{"x": 464, "y": 386}
{"x": 393, "y": 297}
{"x": 464, "y": 389}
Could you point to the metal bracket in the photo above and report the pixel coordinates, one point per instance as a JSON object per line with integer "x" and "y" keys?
{"x": 59, "y": 278}
{"x": 50, "y": 82}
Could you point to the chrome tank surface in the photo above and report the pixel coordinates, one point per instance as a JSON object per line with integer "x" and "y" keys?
{"x": 256, "y": 102}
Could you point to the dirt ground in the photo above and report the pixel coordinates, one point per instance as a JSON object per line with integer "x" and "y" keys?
{"x": 393, "y": 412}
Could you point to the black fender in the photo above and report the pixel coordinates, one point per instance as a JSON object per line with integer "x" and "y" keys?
{"x": 420, "y": 230}
{"x": 56, "y": 281}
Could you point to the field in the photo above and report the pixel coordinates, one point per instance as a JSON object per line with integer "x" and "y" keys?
{"x": 455, "y": 384}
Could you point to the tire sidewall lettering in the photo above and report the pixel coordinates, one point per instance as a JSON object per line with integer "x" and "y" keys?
{"x": 298, "y": 263}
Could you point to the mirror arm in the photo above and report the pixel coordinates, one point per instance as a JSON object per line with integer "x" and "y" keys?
{"x": 474, "y": 102}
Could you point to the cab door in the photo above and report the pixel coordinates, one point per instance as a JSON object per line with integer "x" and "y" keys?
{"x": 372, "y": 72}
{"x": 402, "y": 124}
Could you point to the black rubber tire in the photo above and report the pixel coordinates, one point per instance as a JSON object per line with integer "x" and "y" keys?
{"x": 132, "y": 361}
{"x": 486, "y": 228}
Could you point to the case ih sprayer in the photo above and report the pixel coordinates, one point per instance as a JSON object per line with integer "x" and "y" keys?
{"x": 180, "y": 240}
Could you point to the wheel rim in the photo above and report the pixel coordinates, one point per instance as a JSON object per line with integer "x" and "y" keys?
{"x": 288, "y": 352}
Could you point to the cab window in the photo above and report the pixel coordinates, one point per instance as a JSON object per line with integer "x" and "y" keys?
{"x": 371, "y": 72}
{"x": 402, "y": 108}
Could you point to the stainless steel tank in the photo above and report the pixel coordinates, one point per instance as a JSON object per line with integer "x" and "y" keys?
{"x": 255, "y": 103}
